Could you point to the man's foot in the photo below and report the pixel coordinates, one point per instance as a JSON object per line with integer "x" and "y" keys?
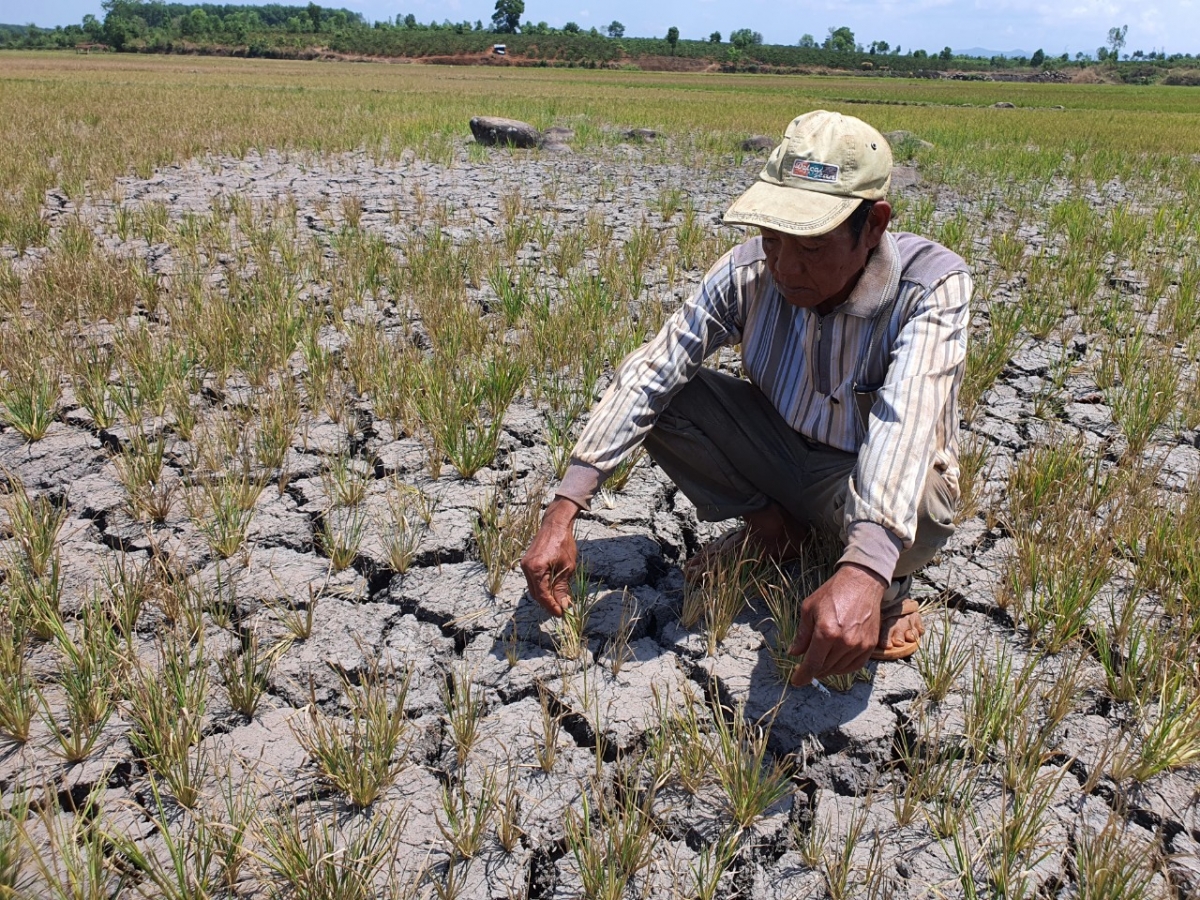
{"x": 769, "y": 534}
{"x": 900, "y": 631}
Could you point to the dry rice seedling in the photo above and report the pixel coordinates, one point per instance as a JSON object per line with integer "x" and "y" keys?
{"x": 188, "y": 871}
{"x": 70, "y": 857}
{"x": 505, "y": 527}
{"x": 140, "y": 470}
{"x": 999, "y": 692}
{"x": 614, "y": 839}
{"x": 839, "y": 867}
{"x": 1055, "y": 584}
{"x": 988, "y": 355}
{"x": 551, "y": 728}
{"x": 13, "y": 854}
{"x": 166, "y": 707}
{"x": 128, "y": 585}
{"x": 346, "y": 480}
{"x": 942, "y": 658}
{"x": 1113, "y": 864}
{"x": 712, "y": 863}
{"x": 35, "y": 523}
{"x": 317, "y": 857}
{"x": 362, "y": 756}
{"x": 36, "y": 602}
{"x": 1145, "y": 401}
{"x": 246, "y": 669}
{"x": 297, "y": 618}
{"x": 29, "y": 398}
{"x": 508, "y": 812}
{"x": 570, "y": 633}
{"x": 341, "y": 535}
{"x": 466, "y": 817}
{"x": 87, "y": 679}
{"x": 90, "y": 366}
{"x": 464, "y": 704}
{"x": 17, "y": 695}
{"x": 739, "y": 758}
{"x": 1171, "y": 726}
{"x": 720, "y": 591}
{"x": 411, "y": 514}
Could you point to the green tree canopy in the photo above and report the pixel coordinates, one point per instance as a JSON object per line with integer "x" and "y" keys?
{"x": 807, "y": 42}
{"x": 616, "y": 29}
{"x": 715, "y": 37}
{"x": 840, "y": 39}
{"x": 672, "y": 37}
{"x": 507, "y": 17}
{"x": 744, "y": 37}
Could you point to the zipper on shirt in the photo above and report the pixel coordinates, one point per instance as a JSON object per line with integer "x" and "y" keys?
{"x": 823, "y": 358}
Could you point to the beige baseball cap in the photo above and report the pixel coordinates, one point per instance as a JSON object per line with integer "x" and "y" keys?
{"x": 827, "y": 164}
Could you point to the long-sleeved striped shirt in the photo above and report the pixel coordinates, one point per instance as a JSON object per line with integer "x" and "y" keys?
{"x": 806, "y": 364}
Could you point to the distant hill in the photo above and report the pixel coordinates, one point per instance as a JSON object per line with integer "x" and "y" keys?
{"x": 988, "y": 54}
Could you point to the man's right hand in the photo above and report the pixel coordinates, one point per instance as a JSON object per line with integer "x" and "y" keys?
{"x": 549, "y": 563}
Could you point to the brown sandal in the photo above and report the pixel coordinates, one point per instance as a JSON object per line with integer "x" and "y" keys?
{"x": 889, "y": 618}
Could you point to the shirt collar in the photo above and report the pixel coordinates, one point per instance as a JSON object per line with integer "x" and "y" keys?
{"x": 878, "y": 283}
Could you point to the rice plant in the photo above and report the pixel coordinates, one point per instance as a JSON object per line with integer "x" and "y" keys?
{"x": 362, "y": 755}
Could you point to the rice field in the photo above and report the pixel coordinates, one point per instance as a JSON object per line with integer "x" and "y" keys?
{"x": 289, "y": 366}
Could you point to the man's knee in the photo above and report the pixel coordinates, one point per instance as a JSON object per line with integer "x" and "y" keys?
{"x": 935, "y": 522}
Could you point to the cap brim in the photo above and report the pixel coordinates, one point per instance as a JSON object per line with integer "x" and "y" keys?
{"x": 789, "y": 209}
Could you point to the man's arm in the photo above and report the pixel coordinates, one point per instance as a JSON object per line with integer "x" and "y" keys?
{"x": 919, "y": 394}
{"x": 641, "y": 388}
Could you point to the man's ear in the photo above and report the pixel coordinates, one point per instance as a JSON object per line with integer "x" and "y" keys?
{"x": 877, "y": 223}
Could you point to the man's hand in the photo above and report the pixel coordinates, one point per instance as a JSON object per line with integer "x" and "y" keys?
{"x": 839, "y": 625}
{"x": 549, "y": 563}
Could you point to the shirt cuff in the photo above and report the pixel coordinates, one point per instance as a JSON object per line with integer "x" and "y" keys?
{"x": 872, "y": 546}
{"x": 581, "y": 483}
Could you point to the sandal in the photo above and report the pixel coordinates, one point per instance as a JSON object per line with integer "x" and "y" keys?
{"x": 899, "y": 608}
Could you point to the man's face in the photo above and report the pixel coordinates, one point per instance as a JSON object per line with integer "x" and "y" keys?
{"x": 820, "y": 272}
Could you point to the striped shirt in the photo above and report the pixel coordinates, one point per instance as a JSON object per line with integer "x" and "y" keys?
{"x": 806, "y": 364}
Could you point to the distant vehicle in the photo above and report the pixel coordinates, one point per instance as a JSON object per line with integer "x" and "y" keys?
{"x": 499, "y": 49}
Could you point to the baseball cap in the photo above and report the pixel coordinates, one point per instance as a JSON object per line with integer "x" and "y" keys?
{"x": 827, "y": 164}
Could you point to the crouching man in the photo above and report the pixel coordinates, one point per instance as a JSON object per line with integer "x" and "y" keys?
{"x": 853, "y": 343}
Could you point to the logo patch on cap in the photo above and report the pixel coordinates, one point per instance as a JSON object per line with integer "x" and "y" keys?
{"x": 815, "y": 171}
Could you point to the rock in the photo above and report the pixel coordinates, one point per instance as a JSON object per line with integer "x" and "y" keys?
{"x": 906, "y": 140}
{"x": 759, "y": 142}
{"x": 640, "y": 134}
{"x": 905, "y": 177}
{"x": 556, "y": 134}
{"x": 494, "y": 131}
{"x": 1003, "y": 104}
{"x": 557, "y": 147}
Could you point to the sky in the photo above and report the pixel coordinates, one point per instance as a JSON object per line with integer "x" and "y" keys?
{"x": 1056, "y": 26}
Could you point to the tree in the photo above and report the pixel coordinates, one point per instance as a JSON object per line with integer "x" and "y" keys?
{"x": 672, "y": 38}
{"x": 616, "y": 29}
{"x": 807, "y": 42}
{"x": 1116, "y": 41}
{"x": 744, "y": 37}
{"x": 1038, "y": 58}
{"x": 314, "y": 14}
{"x": 715, "y": 37}
{"x": 840, "y": 39}
{"x": 571, "y": 28}
{"x": 507, "y": 17}
{"x": 410, "y": 21}
{"x": 946, "y": 54}
{"x": 879, "y": 47}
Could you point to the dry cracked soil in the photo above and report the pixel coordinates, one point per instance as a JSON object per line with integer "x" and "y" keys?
{"x": 439, "y": 618}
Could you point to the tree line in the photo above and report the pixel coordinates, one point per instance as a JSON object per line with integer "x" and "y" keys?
{"x": 280, "y": 30}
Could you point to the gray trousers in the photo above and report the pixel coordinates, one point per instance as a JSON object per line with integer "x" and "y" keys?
{"x": 731, "y": 453}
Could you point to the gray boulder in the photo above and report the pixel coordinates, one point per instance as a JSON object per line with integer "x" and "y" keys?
{"x": 1004, "y": 104}
{"x": 906, "y": 140}
{"x": 757, "y": 142}
{"x": 495, "y": 131}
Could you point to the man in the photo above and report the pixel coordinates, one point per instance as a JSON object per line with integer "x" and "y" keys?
{"x": 853, "y": 342}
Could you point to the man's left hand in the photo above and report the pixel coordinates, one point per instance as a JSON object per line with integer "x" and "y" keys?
{"x": 839, "y": 625}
